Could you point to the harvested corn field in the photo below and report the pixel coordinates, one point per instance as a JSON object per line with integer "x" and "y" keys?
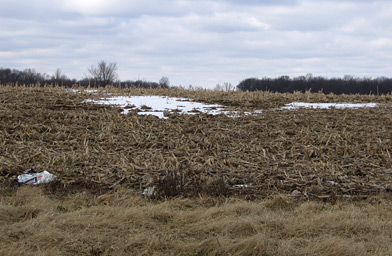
{"x": 266, "y": 180}
{"x": 319, "y": 154}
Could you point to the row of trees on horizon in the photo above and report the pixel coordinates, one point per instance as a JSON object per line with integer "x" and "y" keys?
{"x": 98, "y": 76}
{"x": 346, "y": 85}
{"x": 106, "y": 73}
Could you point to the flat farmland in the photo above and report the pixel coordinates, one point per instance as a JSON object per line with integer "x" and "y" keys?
{"x": 263, "y": 180}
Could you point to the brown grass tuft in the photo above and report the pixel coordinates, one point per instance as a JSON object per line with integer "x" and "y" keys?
{"x": 280, "y": 202}
{"x": 123, "y": 223}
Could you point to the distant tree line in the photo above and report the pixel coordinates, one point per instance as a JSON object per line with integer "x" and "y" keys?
{"x": 101, "y": 75}
{"x": 346, "y": 85}
{"x": 27, "y": 76}
{"x": 106, "y": 73}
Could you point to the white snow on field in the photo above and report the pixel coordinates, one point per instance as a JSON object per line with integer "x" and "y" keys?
{"x": 92, "y": 91}
{"x": 298, "y": 105}
{"x": 86, "y": 90}
{"x": 157, "y": 105}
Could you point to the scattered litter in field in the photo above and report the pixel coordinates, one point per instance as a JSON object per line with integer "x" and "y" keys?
{"x": 298, "y": 105}
{"x": 31, "y": 176}
{"x": 158, "y": 105}
{"x": 150, "y": 191}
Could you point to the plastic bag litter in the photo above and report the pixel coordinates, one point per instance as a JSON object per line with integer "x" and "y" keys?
{"x": 150, "y": 191}
{"x": 30, "y": 176}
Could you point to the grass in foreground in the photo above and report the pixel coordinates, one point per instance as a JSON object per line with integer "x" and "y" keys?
{"x": 122, "y": 223}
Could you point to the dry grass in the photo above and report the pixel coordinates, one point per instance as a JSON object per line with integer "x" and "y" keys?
{"x": 122, "y": 223}
{"x": 338, "y": 161}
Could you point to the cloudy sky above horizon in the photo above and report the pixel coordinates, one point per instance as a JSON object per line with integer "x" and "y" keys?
{"x": 202, "y": 43}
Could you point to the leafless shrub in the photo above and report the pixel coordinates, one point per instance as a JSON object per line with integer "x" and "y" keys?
{"x": 176, "y": 183}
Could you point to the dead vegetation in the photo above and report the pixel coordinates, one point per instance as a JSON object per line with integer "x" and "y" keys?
{"x": 123, "y": 223}
{"x": 323, "y": 154}
{"x": 320, "y": 180}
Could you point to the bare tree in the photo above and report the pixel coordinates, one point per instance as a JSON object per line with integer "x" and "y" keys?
{"x": 58, "y": 77}
{"x": 164, "y": 81}
{"x": 218, "y": 87}
{"x": 105, "y": 73}
{"x": 225, "y": 87}
{"x": 228, "y": 87}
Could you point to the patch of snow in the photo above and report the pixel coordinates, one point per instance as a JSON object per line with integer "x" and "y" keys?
{"x": 91, "y": 91}
{"x": 297, "y": 105}
{"x": 241, "y": 186}
{"x": 157, "y": 105}
{"x": 86, "y": 91}
{"x": 158, "y": 114}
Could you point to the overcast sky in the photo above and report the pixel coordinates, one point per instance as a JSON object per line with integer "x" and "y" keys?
{"x": 199, "y": 42}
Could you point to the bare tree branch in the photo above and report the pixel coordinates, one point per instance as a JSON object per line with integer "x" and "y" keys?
{"x": 105, "y": 73}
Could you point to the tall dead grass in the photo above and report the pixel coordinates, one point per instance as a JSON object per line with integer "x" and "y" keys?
{"x": 123, "y": 223}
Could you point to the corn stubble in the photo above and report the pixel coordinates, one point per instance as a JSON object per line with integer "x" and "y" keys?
{"x": 337, "y": 162}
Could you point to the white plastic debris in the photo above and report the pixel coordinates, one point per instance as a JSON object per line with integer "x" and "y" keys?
{"x": 30, "y": 176}
{"x": 150, "y": 191}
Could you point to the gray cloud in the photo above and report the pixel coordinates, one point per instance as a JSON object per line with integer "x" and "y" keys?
{"x": 200, "y": 43}
{"x": 261, "y": 2}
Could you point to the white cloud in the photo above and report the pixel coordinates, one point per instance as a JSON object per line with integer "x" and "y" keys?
{"x": 88, "y": 7}
{"x": 128, "y": 8}
{"x": 199, "y": 42}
